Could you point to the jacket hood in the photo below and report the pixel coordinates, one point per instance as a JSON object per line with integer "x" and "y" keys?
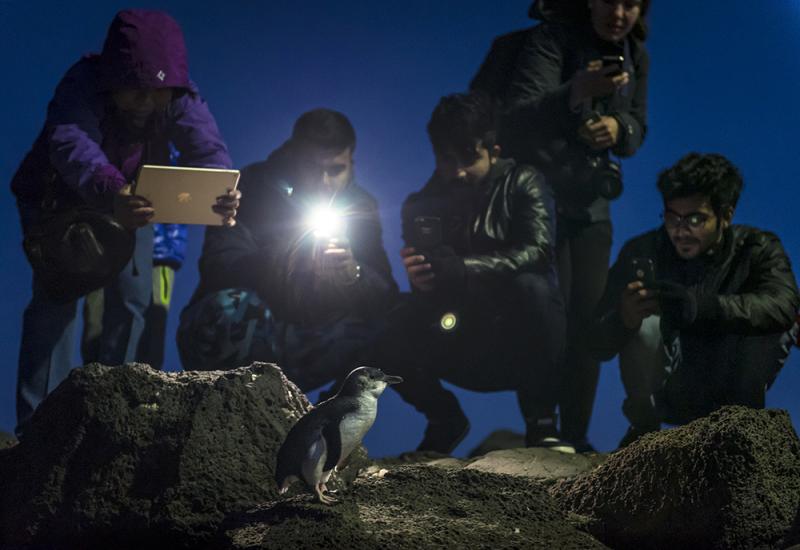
{"x": 143, "y": 49}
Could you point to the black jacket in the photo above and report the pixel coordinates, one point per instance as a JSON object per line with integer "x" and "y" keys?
{"x": 538, "y": 119}
{"x": 500, "y": 228}
{"x": 746, "y": 287}
{"x": 270, "y": 248}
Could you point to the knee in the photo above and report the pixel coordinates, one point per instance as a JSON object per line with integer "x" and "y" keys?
{"x": 538, "y": 295}
{"x": 643, "y": 357}
{"x": 649, "y": 334}
{"x": 219, "y": 326}
{"x": 533, "y": 286}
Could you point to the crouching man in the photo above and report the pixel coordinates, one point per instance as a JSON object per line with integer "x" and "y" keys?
{"x": 485, "y": 311}
{"x": 701, "y": 312}
{"x": 303, "y": 278}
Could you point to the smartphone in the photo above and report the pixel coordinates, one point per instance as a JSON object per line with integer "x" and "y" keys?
{"x": 613, "y": 61}
{"x": 427, "y": 232}
{"x": 644, "y": 270}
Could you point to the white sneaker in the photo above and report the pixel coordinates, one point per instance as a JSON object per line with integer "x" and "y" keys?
{"x": 555, "y": 444}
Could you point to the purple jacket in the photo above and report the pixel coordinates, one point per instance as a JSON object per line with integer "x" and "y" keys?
{"x": 83, "y": 148}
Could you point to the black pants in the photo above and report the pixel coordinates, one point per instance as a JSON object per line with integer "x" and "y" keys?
{"x": 717, "y": 370}
{"x": 583, "y": 251}
{"x": 515, "y": 345}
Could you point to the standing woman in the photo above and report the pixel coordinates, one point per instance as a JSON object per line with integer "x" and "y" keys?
{"x": 577, "y": 99}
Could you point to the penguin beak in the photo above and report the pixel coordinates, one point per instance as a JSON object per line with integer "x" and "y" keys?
{"x": 389, "y": 379}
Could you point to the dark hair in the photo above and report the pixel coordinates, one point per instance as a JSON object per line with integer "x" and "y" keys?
{"x": 711, "y": 175}
{"x": 577, "y": 12}
{"x": 323, "y": 129}
{"x": 460, "y": 121}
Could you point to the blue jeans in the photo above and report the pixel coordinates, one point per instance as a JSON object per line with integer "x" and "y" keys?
{"x": 234, "y": 327}
{"x": 48, "y": 328}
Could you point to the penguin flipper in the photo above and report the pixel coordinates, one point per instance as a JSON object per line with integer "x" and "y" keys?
{"x": 312, "y": 463}
{"x": 294, "y": 452}
{"x": 333, "y": 438}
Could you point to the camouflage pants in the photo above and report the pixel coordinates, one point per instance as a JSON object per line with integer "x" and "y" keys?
{"x": 234, "y": 327}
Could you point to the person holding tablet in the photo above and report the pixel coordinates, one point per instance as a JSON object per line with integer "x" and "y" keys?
{"x": 131, "y": 104}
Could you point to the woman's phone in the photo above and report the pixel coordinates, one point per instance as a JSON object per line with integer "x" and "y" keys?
{"x": 613, "y": 61}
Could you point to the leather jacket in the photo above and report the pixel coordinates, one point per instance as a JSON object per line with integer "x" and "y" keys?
{"x": 501, "y": 227}
{"x": 747, "y": 286}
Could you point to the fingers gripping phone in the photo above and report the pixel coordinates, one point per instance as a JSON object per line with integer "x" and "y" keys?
{"x": 427, "y": 232}
{"x": 643, "y": 269}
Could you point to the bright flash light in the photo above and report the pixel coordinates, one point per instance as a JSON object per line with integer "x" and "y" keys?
{"x": 325, "y": 222}
{"x": 448, "y": 322}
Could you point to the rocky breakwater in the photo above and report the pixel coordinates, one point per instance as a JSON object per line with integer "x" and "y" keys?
{"x": 124, "y": 457}
{"x": 729, "y": 480}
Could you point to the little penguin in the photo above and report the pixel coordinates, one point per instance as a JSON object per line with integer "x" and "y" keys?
{"x": 326, "y": 435}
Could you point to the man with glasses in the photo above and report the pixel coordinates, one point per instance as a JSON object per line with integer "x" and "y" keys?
{"x": 701, "y": 312}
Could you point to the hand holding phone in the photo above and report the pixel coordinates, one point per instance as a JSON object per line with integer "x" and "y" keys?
{"x": 601, "y": 78}
{"x": 418, "y": 269}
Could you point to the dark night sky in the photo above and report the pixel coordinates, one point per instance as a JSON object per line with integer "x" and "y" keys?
{"x": 723, "y": 79}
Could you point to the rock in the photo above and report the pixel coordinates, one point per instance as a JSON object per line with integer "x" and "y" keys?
{"x": 414, "y": 507}
{"x": 129, "y": 456}
{"x": 536, "y": 463}
{"x": 729, "y": 480}
{"x": 498, "y": 440}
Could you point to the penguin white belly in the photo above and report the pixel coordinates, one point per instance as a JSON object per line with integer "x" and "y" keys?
{"x": 353, "y": 427}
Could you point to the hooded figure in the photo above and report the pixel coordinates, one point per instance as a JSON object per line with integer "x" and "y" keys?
{"x": 132, "y": 104}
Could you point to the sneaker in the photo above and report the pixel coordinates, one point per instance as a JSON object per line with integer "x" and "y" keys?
{"x": 634, "y": 433}
{"x": 543, "y": 432}
{"x": 583, "y": 446}
{"x": 554, "y": 444}
{"x": 442, "y": 435}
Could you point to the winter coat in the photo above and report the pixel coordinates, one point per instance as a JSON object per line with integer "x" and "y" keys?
{"x": 500, "y": 228}
{"x": 271, "y": 247}
{"x": 84, "y": 152}
{"x": 747, "y": 287}
{"x": 540, "y": 128}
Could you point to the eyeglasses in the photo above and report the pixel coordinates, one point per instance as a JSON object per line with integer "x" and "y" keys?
{"x": 690, "y": 221}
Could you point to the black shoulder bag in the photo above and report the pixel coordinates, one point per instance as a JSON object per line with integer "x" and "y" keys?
{"x": 75, "y": 248}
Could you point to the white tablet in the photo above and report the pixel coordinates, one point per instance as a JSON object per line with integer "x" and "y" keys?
{"x": 184, "y": 195}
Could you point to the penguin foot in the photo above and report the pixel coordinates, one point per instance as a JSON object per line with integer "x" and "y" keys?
{"x": 323, "y": 498}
